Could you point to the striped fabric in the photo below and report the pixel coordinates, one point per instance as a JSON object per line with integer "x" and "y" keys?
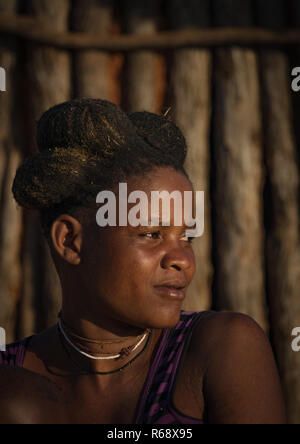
{"x": 14, "y": 354}
{"x": 155, "y": 406}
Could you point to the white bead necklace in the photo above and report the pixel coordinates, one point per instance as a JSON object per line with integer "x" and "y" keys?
{"x": 98, "y": 358}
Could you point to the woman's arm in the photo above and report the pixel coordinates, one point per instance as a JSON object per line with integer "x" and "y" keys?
{"x": 241, "y": 383}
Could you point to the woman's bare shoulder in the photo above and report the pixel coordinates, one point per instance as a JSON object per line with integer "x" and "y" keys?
{"x": 25, "y": 395}
{"x": 218, "y": 335}
{"x": 12, "y": 378}
{"x": 215, "y": 326}
{"x": 240, "y": 378}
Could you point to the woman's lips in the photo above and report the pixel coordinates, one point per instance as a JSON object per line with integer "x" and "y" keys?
{"x": 172, "y": 293}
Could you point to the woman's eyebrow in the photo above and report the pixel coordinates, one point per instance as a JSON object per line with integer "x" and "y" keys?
{"x": 157, "y": 221}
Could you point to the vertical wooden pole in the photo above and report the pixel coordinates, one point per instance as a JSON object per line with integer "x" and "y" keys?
{"x": 10, "y": 158}
{"x": 49, "y": 73}
{"x": 190, "y": 75}
{"x": 239, "y": 172}
{"x": 92, "y": 67}
{"x": 49, "y": 68}
{"x": 141, "y": 66}
{"x": 283, "y": 255}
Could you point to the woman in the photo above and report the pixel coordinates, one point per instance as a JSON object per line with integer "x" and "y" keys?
{"x": 123, "y": 350}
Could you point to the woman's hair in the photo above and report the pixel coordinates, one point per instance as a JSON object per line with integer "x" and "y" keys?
{"x": 90, "y": 145}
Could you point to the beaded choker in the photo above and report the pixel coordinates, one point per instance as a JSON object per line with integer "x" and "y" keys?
{"x": 126, "y": 351}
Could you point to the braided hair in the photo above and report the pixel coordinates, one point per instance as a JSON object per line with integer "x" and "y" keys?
{"x": 89, "y": 145}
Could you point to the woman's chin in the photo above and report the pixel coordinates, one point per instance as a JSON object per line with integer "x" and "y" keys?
{"x": 167, "y": 317}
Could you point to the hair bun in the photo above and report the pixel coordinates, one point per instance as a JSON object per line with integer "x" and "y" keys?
{"x": 93, "y": 124}
{"x": 50, "y": 177}
{"x": 162, "y": 134}
{"x": 87, "y": 145}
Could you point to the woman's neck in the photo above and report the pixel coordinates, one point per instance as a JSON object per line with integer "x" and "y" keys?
{"x": 82, "y": 340}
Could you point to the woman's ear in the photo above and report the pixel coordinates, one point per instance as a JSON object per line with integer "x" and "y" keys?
{"x": 66, "y": 236}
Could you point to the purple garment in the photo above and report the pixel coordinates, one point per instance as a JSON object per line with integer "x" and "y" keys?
{"x": 155, "y": 404}
{"x": 14, "y": 354}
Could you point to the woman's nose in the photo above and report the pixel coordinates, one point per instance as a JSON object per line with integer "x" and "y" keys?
{"x": 179, "y": 258}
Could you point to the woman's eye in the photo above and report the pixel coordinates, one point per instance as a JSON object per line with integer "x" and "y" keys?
{"x": 153, "y": 235}
{"x": 156, "y": 234}
{"x": 189, "y": 239}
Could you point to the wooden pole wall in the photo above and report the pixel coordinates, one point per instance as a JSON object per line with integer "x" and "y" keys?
{"x": 234, "y": 105}
{"x": 10, "y": 157}
{"x": 91, "y": 68}
{"x": 190, "y": 74}
{"x": 239, "y": 173}
{"x": 282, "y": 252}
{"x": 49, "y": 74}
{"x": 141, "y": 66}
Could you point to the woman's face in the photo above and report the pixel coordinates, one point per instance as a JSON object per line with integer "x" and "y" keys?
{"x": 122, "y": 267}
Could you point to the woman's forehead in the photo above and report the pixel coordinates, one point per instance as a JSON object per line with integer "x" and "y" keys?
{"x": 159, "y": 198}
{"x": 164, "y": 178}
{"x": 156, "y": 207}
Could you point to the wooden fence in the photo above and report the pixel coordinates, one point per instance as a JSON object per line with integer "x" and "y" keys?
{"x": 224, "y": 67}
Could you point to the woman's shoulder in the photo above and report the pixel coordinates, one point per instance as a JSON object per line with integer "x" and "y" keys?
{"x": 214, "y": 326}
{"x": 23, "y": 393}
{"x": 12, "y": 378}
{"x": 218, "y": 320}
{"x": 238, "y": 370}
{"x": 221, "y": 332}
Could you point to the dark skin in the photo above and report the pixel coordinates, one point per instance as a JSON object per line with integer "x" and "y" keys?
{"x": 108, "y": 276}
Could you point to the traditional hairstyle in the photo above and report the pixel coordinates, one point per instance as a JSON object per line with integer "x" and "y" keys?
{"x": 89, "y": 145}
